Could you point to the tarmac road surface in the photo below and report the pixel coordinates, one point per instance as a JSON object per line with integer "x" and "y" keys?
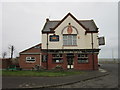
{"x": 109, "y": 81}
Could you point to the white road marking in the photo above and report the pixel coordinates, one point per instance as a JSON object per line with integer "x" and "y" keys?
{"x": 102, "y": 70}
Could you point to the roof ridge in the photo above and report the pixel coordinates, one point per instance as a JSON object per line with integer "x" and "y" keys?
{"x": 54, "y": 20}
{"x": 78, "y": 20}
{"x": 87, "y": 24}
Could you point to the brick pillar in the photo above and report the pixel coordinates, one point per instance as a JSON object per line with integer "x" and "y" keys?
{"x": 49, "y": 61}
{"x": 96, "y": 61}
{"x": 75, "y": 61}
{"x": 64, "y": 61}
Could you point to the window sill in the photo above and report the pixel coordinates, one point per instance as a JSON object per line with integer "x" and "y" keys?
{"x": 30, "y": 62}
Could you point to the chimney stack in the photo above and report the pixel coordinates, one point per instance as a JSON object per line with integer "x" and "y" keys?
{"x": 47, "y": 19}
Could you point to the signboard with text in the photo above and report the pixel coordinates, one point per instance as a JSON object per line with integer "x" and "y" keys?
{"x": 54, "y": 38}
{"x": 101, "y": 41}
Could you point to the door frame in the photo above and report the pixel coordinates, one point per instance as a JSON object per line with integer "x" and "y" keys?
{"x": 71, "y": 64}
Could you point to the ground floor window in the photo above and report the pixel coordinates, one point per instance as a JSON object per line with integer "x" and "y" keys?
{"x": 30, "y": 59}
{"x": 57, "y": 58}
{"x": 82, "y": 58}
{"x": 44, "y": 58}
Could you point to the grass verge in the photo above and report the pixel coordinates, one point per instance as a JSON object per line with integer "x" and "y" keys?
{"x": 40, "y": 73}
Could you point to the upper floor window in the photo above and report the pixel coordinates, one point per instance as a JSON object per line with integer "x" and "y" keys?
{"x": 70, "y": 39}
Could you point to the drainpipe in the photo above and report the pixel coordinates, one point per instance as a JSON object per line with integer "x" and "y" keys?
{"x": 92, "y": 49}
{"x": 47, "y": 52}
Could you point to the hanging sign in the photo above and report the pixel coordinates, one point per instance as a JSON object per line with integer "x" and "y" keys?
{"x": 54, "y": 38}
{"x": 101, "y": 40}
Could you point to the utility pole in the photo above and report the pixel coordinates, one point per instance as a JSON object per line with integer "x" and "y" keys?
{"x": 11, "y": 51}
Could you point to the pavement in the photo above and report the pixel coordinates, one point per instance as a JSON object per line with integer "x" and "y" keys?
{"x": 46, "y": 82}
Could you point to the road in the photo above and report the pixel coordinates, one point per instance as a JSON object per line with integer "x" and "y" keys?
{"x": 109, "y": 81}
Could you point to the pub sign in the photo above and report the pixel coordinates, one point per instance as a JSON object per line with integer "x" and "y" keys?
{"x": 54, "y": 38}
{"x": 101, "y": 40}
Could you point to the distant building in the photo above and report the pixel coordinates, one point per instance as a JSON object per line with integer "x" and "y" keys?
{"x": 69, "y": 43}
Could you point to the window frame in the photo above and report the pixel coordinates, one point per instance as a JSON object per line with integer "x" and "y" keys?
{"x": 82, "y": 58}
{"x": 57, "y": 57}
{"x": 69, "y": 39}
{"x": 30, "y": 58}
{"x": 45, "y": 57}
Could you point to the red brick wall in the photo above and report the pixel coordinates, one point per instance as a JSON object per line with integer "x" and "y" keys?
{"x": 4, "y": 63}
{"x": 33, "y": 50}
{"x": 27, "y": 65}
{"x": 77, "y": 66}
{"x": 86, "y": 66}
{"x": 52, "y": 65}
{"x": 43, "y": 64}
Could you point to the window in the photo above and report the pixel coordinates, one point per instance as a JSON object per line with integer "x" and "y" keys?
{"x": 82, "y": 58}
{"x": 69, "y": 40}
{"x": 44, "y": 58}
{"x": 30, "y": 59}
{"x": 57, "y": 58}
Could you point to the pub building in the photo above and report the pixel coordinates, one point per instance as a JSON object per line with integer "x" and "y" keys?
{"x": 69, "y": 43}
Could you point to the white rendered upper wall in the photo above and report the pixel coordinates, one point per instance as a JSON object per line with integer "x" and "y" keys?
{"x": 83, "y": 40}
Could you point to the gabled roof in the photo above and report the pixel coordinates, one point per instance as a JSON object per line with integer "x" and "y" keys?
{"x": 88, "y": 25}
{"x": 31, "y": 48}
{"x": 49, "y": 24}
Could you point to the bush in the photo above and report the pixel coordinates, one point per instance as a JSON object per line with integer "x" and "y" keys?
{"x": 38, "y": 68}
{"x": 58, "y": 68}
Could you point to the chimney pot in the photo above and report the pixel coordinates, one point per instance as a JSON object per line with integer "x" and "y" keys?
{"x": 47, "y": 19}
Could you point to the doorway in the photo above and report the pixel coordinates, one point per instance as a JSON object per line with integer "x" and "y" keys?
{"x": 70, "y": 62}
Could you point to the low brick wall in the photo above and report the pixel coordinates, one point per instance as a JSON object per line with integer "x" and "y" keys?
{"x": 5, "y": 63}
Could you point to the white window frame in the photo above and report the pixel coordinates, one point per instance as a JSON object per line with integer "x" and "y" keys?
{"x": 30, "y": 58}
{"x": 69, "y": 40}
{"x": 83, "y": 58}
{"x": 57, "y": 58}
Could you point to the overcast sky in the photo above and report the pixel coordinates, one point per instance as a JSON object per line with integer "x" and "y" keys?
{"x": 22, "y": 22}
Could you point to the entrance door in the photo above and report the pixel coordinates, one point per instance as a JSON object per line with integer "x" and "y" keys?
{"x": 70, "y": 61}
